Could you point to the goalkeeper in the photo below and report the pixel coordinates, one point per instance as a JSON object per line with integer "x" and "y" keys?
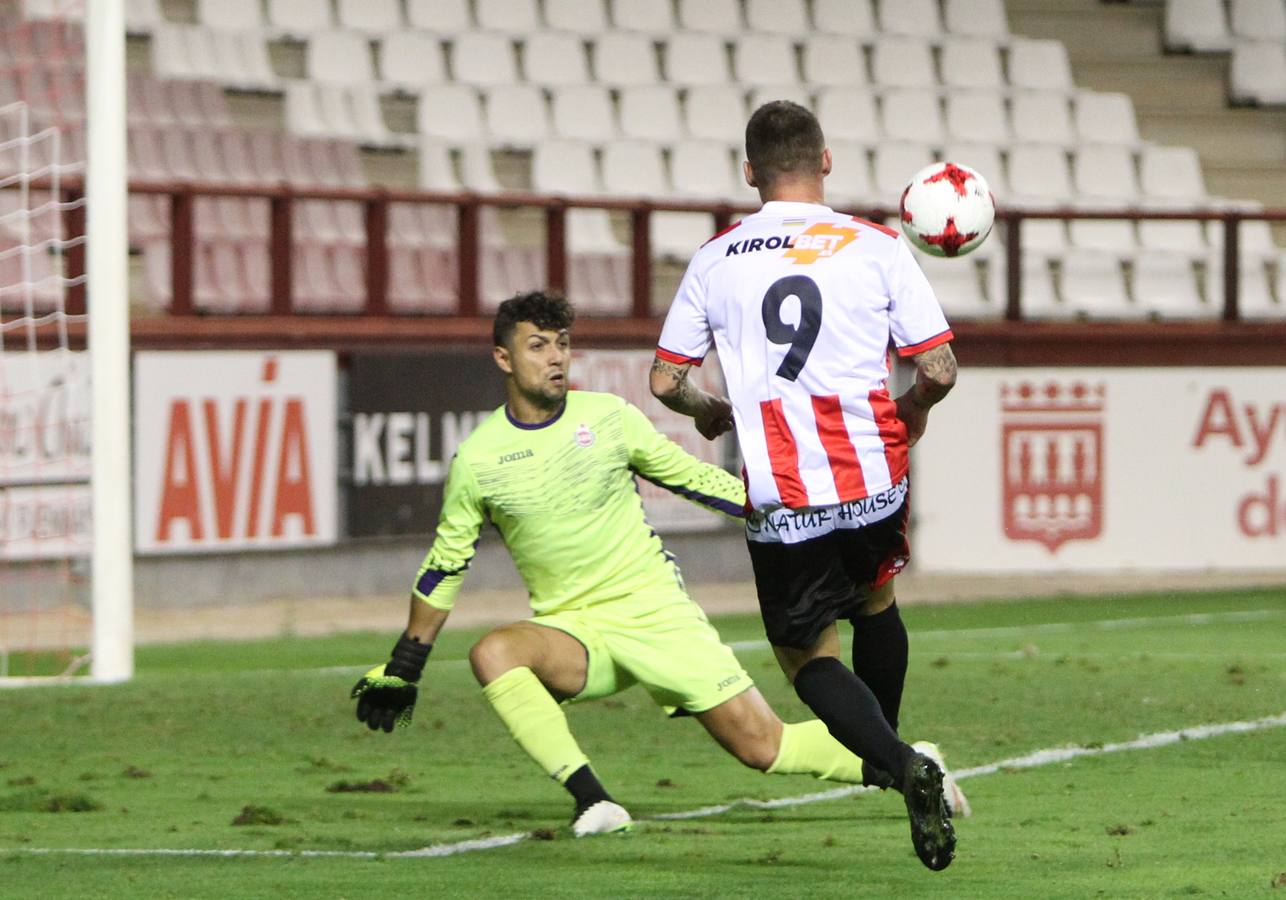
{"x": 554, "y": 471}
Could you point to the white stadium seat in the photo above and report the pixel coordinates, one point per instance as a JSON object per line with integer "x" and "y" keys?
{"x": 565, "y": 167}
{"x": 1183, "y": 236}
{"x": 230, "y": 15}
{"x": 1171, "y": 173}
{"x": 849, "y": 114}
{"x": 833, "y": 59}
{"x": 919, "y": 18}
{"x": 478, "y": 173}
{"x": 1093, "y": 285}
{"x": 1258, "y": 73}
{"x": 1114, "y": 236}
{"x": 704, "y": 170}
{"x": 696, "y": 59}
{"x": 634, "y": 169}
{"x": 760, "y": 59}
{"x": 621, "y": 59}
{"x": 1198, "y": 25}
{"x": 551, "y": 58}
{"x": 1106, "y": 172}
{"x": 339, "y": 57}
{"x": 1038, "y": 299}
{"x": 1254, "y": 295}
{"x": 1042, "y": 117}
{"x": 849, "y": 183}
{"x": 1166, "y": 286}
{"x": 721, "y": 17}
{"x": 1039, "y": 65}
{"x": 984, "y": 158}
{"x": 299, "y": 18}
{"x": 977, "y": 116}
{"x": 412, "y": 59}
{"x": 436, "y": 170}
{"x": 650, "y": 112}
{"x": 958, "y": 285}
{"x": 450, "y": 112}
{"x": 677, "y": 235}
{"x": 1258, "y": 20}
{"x": 716, "y": 112}
{"x": 483, "y": 59}
{"x": 374, "y": 17}
{"x": 1040, "y": 171}
{"x": 900, "y": 61}
{"x": 443, "y": 17}
{"x": 854, "y": 18}
{"x": 785, "y": 17}
{"x": 583, "y": 112}
{"x": 516, "y": 116}
{"x": 979, "y": 18}
{"x": 912, "y": 115}
{"x": 1105, "y": 118}
{"x": 515, "y": 17}
{"x": 586, "y": 17}
{"x": 971, "y": 63}
{"x": 795, "y": 93}
{"x": 894, "y": 164}
{"x": 655, "y": 19}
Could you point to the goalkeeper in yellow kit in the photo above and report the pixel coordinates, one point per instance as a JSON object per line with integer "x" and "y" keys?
{"x": 554, "y": 471}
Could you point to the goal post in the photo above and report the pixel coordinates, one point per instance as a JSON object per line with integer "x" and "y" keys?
{"x": 107, "y": 304}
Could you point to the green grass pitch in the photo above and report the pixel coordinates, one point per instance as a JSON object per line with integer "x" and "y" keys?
{"x": 253, "y": 746}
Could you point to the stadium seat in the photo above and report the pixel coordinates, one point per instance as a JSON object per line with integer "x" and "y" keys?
{"x": 1254, "y": 237}
{"x": 625, "y": 59}
{"x": 985, "y": 159}
{"x": 237, "y": 60}
{"x": 141, "y": 16}
{"x": 650, "y": 112}
{"x": 1038, "y": 300}
{"x": 716, "y": 112}
{"x": 372, "y": 17}
{"x": 230, "y": 15}
{"x": 585, "y": 17}
{"x": 849, "y": 113}
{"x": 854, "y": 18}
{"x": 977, "y": 18}
{"x": 242, "y": 62}
{"x": 1093, "y": 285}
{"x": 633, "y": 169}
{"x": 692, "y": 59}
{"x": 1039, "y": 177}
{"x": 1196, "y": 25}
{"x": 1258, "y": 73}
{"x": 561, "y": 166}
{"x": 1042, "y": 117}
{"x": 704, "y": 170}
{"x": 1172, "y": 173}
{"x": 1254, "y": 298}
{"x": 1103, "y": 118}
{"x": 515, "y": 17}
{"x": 1108, "y": 236}
{"x": 1039, "y": 65}
{"x": 654, "y": 19}
{"x": 912, "y": 115}
{"x": 919, "y": 18}
{"x": 409, "y": 60}
{"x": 516, "y": 116}
{"x": 450, "y": 112}
{"x": 478, "y": 172}
{"x": 1258, "y": 20}
{"x": 971, "y": 64}
{"x": 833, "y": 60}
{"x": 298, "y": 19}
{"x": 957, "y": 283}
{"x": 339, "y": 57}
{"x": 483, "y": 59}
{"x": 442, "y": 17}
{"x": 1166, "y": 286}
{"x": 436, "y": 169}
{"x": 721, "y": 17}
{"x": 506, "y": 271}
{"x": 1180, "y": 236}
{"x": 551, "y": 58}
{"x": 849, "y": 184}
{"x": 902, "y": 61}
{"x": 1107, "y": 172}
{"x": 894, "y": 164}
{"x": 977, "y": 116}
{"x": 583, "y": 112}
{"x": 760, "y": 59}
{"x": 767, "y": 93}
{"x": 784, "y": 17}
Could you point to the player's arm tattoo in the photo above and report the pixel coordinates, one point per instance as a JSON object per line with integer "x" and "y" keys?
{"x": 671, "y": 386}
{"x": 935, "y": 375}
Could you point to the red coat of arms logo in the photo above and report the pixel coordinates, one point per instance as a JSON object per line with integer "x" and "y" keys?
{"x": 1052, "y": 438}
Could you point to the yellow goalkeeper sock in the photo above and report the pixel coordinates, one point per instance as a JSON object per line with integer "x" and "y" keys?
{"x": 536, "y": 722}
{"x": 807, "y": 748}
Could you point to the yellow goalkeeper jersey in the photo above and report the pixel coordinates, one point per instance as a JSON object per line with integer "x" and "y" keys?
{"x": 562, "y": 495}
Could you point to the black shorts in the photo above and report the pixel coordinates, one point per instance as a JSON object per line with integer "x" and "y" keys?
{"x": 807, "y": 586}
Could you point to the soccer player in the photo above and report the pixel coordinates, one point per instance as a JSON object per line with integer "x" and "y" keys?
{"x": 801, "y": 303}
{"x": 554, "y": 471}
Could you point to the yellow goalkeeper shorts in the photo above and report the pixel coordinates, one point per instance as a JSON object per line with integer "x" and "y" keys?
{"x": 665, "y": 644}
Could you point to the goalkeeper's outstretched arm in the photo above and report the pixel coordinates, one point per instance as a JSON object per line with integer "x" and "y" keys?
{"x": 386, "y": 694}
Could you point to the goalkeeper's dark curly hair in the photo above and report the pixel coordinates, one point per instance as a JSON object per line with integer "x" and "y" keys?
{"x": 548, "y": 312}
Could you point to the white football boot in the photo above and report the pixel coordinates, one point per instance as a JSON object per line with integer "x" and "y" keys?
{"x": 604, "y": 817}
{"x": 957, "y": 803}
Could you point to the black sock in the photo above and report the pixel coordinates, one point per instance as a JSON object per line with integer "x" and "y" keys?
{"x": 879, "y": 658}
{"x": 852, "y": 714}
{"x": 585, "y": 788}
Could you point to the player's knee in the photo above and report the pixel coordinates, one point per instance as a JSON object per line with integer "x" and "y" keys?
{"x": 492, "y": 656}
{"x": 759, "y": 753}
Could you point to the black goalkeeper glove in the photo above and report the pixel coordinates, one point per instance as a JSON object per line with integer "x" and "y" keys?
{"x": 386, "y": 694}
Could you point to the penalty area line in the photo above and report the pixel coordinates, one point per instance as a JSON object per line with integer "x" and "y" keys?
{"x": 1035, "y": 759}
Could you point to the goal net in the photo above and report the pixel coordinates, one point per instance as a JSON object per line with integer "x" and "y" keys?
{"x": 49, "y": 348}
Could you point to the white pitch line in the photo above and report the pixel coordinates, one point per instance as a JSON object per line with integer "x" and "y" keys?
{"x": 1038, "y": 758}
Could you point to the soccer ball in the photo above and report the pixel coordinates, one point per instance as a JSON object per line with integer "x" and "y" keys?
{"x": 947, "y": 209}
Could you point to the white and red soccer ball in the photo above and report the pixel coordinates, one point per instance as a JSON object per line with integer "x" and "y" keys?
{"x": 947, "y": 209}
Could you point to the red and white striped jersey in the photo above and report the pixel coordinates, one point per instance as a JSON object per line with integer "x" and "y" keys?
{"x": 801, "y": 303}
